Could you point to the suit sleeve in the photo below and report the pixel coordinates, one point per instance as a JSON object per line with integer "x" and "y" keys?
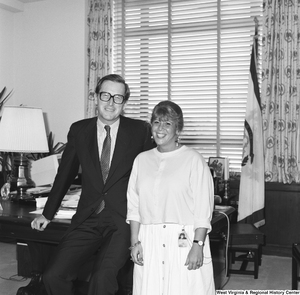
{"x": 67, "y": 171}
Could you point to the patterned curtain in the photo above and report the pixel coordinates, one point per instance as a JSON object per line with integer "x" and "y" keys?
{"x": 281, "y": 90}
{"x": 99, "y": 48}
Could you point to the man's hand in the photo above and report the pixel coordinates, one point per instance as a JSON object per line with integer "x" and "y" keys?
{"x": 39, "y": 223}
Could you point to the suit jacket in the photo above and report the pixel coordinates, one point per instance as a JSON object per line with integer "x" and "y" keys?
{"x": 133, "y": 137}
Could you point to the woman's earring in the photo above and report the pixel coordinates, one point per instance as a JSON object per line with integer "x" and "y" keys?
{"x": 178, "y": 141}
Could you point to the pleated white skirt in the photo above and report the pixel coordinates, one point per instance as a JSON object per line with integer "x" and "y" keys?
{"x": 164, "y": 272}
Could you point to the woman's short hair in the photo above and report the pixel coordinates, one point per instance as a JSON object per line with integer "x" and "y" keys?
{"x": 168, "y": 111}
{"x": 113, "y": 78}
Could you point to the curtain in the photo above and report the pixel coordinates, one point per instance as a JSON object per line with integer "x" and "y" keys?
{"x": 280, "y": 90}
{"x": 99, "y": 48}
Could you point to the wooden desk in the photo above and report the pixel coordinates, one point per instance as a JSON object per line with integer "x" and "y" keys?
{"x": 15, "y": 222}
{"x": 219, "y": 221}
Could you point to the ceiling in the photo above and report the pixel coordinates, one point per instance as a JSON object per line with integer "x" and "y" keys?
{"x": 28, "y": 1}
{"x": 15, "y": 6}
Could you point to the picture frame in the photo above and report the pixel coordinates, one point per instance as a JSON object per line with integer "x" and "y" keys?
{"x": 217, "y": 164}
{"x": 219, "y": 170}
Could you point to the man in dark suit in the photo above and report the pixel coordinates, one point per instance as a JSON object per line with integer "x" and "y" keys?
{"x": 99, "y": 223}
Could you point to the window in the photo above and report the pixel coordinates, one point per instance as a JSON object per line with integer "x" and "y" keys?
{"x": 195, "y": 53}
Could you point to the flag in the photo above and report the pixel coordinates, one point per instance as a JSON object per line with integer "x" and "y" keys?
{"x": 252, "y": 184}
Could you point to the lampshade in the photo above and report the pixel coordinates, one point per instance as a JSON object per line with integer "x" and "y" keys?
{"x": 22, "y": 129}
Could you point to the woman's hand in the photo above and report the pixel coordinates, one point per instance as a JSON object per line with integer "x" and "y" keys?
{"x": 137, "y": 254}
{"x": 194, "y": 259}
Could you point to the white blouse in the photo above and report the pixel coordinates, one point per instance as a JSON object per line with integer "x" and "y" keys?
{"x": 172, "y": 187}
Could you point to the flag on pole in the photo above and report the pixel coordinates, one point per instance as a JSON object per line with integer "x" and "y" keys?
{"x": 252, "y": 184}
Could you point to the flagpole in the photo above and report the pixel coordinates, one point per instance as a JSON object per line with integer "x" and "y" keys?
{"x": 256, "y": 25}
{"x": 255, "y": 42}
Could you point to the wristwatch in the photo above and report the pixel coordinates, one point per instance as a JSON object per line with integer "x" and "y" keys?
{"x": 200, "y": 243}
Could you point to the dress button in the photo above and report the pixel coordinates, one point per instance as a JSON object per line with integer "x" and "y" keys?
{"x": 164, "y": 226}
{"x": 164, "y": 245}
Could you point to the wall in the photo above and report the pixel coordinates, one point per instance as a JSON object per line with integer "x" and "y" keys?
{"x": 49, "y": 63}
{"x": 282, "y": 212}
{"x": 282, "y": 215}
{"x": 6, "y": 52}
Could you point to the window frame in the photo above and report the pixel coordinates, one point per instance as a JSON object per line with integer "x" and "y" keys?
{"x": 229, "y": 139}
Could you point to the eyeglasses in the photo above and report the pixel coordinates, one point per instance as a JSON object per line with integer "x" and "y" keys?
{"x": 117, "y": 98}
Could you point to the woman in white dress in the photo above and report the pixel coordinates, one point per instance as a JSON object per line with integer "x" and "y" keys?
{"x": 170, "y": 206}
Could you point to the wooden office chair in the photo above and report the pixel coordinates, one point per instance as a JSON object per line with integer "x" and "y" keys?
{"x": 295, "y": 265}
{"x": 246, "y": 240}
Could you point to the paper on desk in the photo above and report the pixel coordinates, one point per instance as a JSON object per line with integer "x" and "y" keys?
{"x": 67, "y": 208}
{"x": 69, "y": 201}
{"x": 43, "y": 171}
{"x": 61, "y": 214}
{"x": 40, "y": 202}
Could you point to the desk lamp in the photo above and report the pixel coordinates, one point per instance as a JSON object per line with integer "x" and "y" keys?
{"x": 22, "y": 130}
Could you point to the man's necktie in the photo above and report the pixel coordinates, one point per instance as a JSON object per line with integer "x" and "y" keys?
{"x": 105, "y": 155}
{"x": 104, "y": 161}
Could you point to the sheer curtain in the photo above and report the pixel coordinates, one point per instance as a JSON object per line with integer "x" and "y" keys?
{"x": 99, "y": 48}
{"x": 280, "y": 90}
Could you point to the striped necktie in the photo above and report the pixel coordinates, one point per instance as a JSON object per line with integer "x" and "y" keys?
{"x": 105, "y": 155}
{"x": 104, "y": 161}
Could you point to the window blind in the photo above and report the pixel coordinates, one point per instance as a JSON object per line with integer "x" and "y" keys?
{"x": 195, "y": 53}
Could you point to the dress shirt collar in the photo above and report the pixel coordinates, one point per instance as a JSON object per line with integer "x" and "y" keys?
{"x": 113, "y": 127}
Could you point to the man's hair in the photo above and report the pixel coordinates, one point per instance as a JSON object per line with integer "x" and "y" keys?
{"x": 113, "y": 78}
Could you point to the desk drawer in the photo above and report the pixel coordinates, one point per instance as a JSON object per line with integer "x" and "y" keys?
{"x": 23, "y": 231}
